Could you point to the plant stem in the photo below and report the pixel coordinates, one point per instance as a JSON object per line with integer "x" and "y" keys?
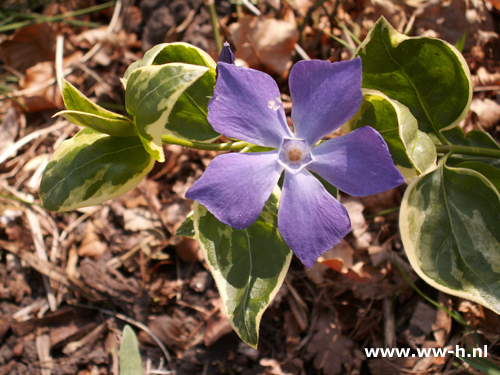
{"x": 232, "y": 146}
{"x": 10, "y": 197}
{"x": 31, "y": 18}
{"x": 468, "y": 150}
{"x": 210, "y": 4}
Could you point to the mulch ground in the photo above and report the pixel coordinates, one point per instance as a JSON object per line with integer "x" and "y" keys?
{"x": 70, "y": 281}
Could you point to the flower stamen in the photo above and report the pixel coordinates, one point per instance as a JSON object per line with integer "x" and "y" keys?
{"x": 294, "y": 154}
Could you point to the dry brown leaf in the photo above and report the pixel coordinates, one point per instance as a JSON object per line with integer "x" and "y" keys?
{"x": 91, "y": 245}
{"x": 485, "y": 78}
{"x": 43, "y": 97}
{"x": 442, "y": 326}
{"x": 140, "y": 218}
{"x": 495, "y": 4}
{"x": 167, "y": 329}
{"x": 355, "y": 209}
{"x": 487, "y": 111}
{"x": 341, "y": 257}
{"x": 330, "y": 348}
{"x": 451, "y": 19}
{"x": 29, "y": 46}
{"x": 176, "y": 212}
{"x": 265, "y": 42}
{"x": 420, "y": 324}
{"x": 189, "y": 250}
{"x": 374, "y": 9}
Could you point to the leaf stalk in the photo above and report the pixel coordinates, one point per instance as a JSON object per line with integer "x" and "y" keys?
{"x": 231, "y": 146}
{"x": 468, "y": 150}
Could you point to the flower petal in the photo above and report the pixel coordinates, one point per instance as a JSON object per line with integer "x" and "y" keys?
{"x": 358, "y": 163}
{"x": 235, "y": 187}
{"x": 310, "y": 220}
{"x": 226, "y": 55}
{"x": 246, "y": 105}
{"x": 324, "y": 96}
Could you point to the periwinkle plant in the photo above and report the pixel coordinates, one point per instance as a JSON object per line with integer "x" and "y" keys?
{"x": 399, "y": 100}
{"x": 246, "y": 105}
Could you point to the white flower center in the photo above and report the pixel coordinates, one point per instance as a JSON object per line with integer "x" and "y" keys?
{"x": 294, "y": 154}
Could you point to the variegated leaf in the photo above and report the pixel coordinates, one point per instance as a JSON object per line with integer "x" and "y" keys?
{"x": 91, "y": 168}
{"x": 474, "y": 138}
{"x": 188, "y": 119}
{"x": 151, "y": 94}
{"x": 412, "y": 150}
{"x": 168, "y": 53}
{"x": 186, "y": 229}
{"x": 427, "y": 75}
{"x": 81, "y": 111}
{"x": 248, "y": 265}
{"x": 450, "y": 227}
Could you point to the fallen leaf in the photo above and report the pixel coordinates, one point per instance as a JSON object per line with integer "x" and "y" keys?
{"x": 374, "y": 9}
{"x": 355, "y": 208}
{"x": 330, "y": 348}
{"x": 266, "y": 42}
{"x": 41, "y": 96}
{"x": 167, "y": 329}
{"x": 91, "y": 245}
{"x": 140, "y": 218}
{"x": 451, "y": 19}
{"x": 487, "y": 111}
{"x": 442, "y": 325}
{"x": 485, "y": 78}
{"x": 29, "y": 46}
{"x": 189, "y": 250}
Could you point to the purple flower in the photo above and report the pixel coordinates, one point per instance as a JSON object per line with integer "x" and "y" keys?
{"x": 246, "y": 105}
{"x": 226, "y": 55}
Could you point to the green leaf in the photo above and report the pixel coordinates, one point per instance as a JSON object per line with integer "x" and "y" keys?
{"x": 488, "y": 171}
{"x": 412, "y": 150}
{"x": 474, "y": 138}
{"x": 81, "y": 111}
{"x": 152, "y": 92}
{"x": 130, "y": 356}
{"x": 248, "y": 265}
{"x": 171, "y": 52}
{"x": 91, "y": 168}
{"x": 188, "y": 119}
{"x": 450, "y": 227}
{"x": 481, "y": 364}
{"x": 427, "y": 75}
{"x": 186, "y": 229}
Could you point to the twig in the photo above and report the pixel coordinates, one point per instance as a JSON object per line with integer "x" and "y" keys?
{"x": 75, "y": 223}
{"x": 210, "y": 4}
{"x": 41, "y": 252}
{"x": 252, "y": 8}
{"x": 43, "y": 349}
{"x": 16, "y": 146}
{"x": 300, "y": 51}
{"x": 52, "y": 271}
{"x": 59, "y": 61}
{"x": 86, "y": 57}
